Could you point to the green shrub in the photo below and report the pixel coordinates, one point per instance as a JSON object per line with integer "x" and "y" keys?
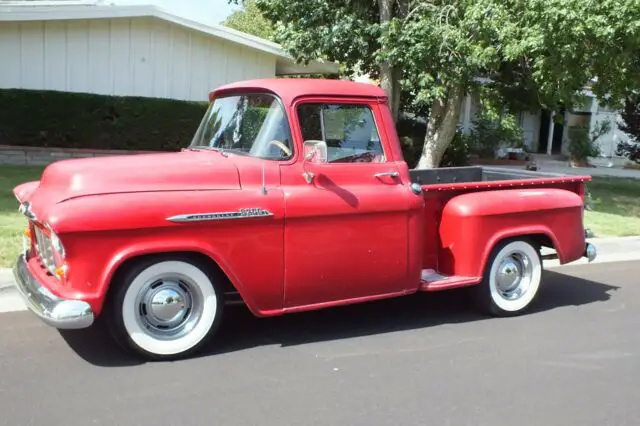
{"x": 490, "y": 133}
{"x": 412, "y": 132}
{"x": 458, "y": 152}
{"x": 581, "y": 145}
{"x": 79, "y": 120}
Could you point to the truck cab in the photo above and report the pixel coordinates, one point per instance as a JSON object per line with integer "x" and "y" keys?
{"x": 293, "y": 195}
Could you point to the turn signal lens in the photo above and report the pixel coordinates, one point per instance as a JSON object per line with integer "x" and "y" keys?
{"x": 61, "y": 271}
{"x": 27, "y": 233}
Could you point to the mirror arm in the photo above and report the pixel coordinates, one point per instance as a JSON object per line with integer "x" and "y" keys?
{"x": 308, "y": 176}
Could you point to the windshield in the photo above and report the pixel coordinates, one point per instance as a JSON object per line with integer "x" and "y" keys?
{"x": 248, "y": 124}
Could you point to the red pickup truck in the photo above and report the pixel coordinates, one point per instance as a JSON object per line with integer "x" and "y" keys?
{"x": 293, "y": 195}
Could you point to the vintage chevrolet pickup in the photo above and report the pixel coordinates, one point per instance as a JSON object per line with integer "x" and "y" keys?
{"x": 293, "y": 195}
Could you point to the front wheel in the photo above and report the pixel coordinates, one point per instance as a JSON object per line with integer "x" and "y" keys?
{"x": 511, "y": 279}
{"x": 164, "y": 309}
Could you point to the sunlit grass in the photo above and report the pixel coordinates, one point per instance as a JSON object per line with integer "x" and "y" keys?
{"x": 616, "y": 207}
{"x": 12, "y": 223}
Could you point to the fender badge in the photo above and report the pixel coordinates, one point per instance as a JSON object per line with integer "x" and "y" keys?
{"x": 240, "y": 214}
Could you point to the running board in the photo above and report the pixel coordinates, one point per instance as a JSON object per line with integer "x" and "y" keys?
{"x": 432, "y": 280}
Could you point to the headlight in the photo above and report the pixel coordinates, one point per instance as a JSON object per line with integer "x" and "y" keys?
{"x": 57, "y": 244}
{"x": 54, "y": 256}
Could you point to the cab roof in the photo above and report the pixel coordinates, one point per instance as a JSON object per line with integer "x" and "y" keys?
{"x": 288, "y": 89}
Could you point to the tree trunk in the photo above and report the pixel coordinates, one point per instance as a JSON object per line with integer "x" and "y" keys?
{"x": 389, "y": 77}
{"x": 389, "y": 81}
{"x": 441, "y": 128}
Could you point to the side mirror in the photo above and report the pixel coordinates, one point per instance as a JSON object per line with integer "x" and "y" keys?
{"x": 315, "y": 151}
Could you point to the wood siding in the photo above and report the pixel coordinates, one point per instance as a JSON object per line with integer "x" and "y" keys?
{"x": 128, "y": 57}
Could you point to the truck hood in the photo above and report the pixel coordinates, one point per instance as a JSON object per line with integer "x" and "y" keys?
{"x": 175, "y": 171}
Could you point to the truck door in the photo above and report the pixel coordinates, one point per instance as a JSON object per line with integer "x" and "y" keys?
{"x": 346, "y": 223}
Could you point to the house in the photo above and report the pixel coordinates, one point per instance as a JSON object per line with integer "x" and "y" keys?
{"x": 130, "y": 50}
{"x": 543, "y": 135}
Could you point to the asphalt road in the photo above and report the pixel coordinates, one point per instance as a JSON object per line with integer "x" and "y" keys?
{"x": 574, "y": 360}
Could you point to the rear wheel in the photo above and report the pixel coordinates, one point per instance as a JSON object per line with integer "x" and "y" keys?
{"x": 511, "y": 279}
{"x": 165, "y": 308}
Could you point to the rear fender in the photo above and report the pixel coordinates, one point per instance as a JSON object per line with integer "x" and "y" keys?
{"x": 530, "y": 232}
{"x": 474, "y": 223}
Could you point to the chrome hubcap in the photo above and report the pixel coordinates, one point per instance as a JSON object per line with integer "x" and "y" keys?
{"x": 513, "y": 275}
{"x": 169, "y": 307}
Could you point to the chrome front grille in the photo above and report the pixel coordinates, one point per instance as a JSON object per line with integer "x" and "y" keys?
{"x": 44, "y": 249}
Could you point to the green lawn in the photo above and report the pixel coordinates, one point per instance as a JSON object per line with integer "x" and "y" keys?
{"x": 616, "y": 205}
{"x": 11, "y": 221}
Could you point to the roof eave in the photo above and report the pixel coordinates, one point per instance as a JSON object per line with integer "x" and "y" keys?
{"x": 14, "y": 12}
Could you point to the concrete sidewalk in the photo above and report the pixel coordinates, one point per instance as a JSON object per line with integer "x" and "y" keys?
{"x": 616, "y": 249}
{"x": 10, "y": 300}
{"x": 563, "y": 167}
{"x": 6, "y": 278}
{"x": 609, "y": 249}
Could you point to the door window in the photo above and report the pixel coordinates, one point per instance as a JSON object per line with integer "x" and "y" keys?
{"x": 348, "y": 129}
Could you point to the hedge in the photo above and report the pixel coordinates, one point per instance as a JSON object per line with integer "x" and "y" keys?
{"x": 79, "y": 120}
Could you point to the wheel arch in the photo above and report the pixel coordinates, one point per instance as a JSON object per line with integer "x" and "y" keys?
{"x": 122, "y": 263}
{"x": 488, "y": 295}
{"x": 540, "y": 237}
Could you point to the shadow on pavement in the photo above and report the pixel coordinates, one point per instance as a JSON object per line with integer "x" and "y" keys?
{"x": 240, "y": 330}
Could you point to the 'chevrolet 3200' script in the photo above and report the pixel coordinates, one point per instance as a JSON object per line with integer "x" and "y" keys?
{"x": 242, "y": 213}
{"x": 293, "y": 195}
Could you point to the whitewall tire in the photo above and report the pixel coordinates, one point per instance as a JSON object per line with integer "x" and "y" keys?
{"x": 511, "y": 280}
{"x": 165, "y": 308}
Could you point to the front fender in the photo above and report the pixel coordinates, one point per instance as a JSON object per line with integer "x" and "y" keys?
{"x": 23, "y": 191}
{"x": 473, "y": 223}
{"x": 100, "y": 233}
{"x": 94, "y": 260}
{"x": 174, "y": 246}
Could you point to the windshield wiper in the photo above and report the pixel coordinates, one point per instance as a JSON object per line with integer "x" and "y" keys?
{"x": 208, "y": 148}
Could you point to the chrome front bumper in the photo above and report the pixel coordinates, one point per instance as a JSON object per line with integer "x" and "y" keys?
{"x": 56, "y": 312}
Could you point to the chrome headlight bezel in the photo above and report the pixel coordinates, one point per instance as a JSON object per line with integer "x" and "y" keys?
{"x": 57, "y": 244}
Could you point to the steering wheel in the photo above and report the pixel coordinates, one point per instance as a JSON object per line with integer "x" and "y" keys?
{"x": 280, "y": 145}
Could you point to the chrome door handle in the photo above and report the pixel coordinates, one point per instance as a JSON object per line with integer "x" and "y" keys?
{"x": 392, "y": 174}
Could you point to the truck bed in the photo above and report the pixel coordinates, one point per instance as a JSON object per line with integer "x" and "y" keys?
{"x": 475, "y": 174}
{"x": 442, "y": 184}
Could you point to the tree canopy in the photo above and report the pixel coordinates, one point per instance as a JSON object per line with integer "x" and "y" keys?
{"x": 250, "y": 20}
{"x": 540, "y": 53}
